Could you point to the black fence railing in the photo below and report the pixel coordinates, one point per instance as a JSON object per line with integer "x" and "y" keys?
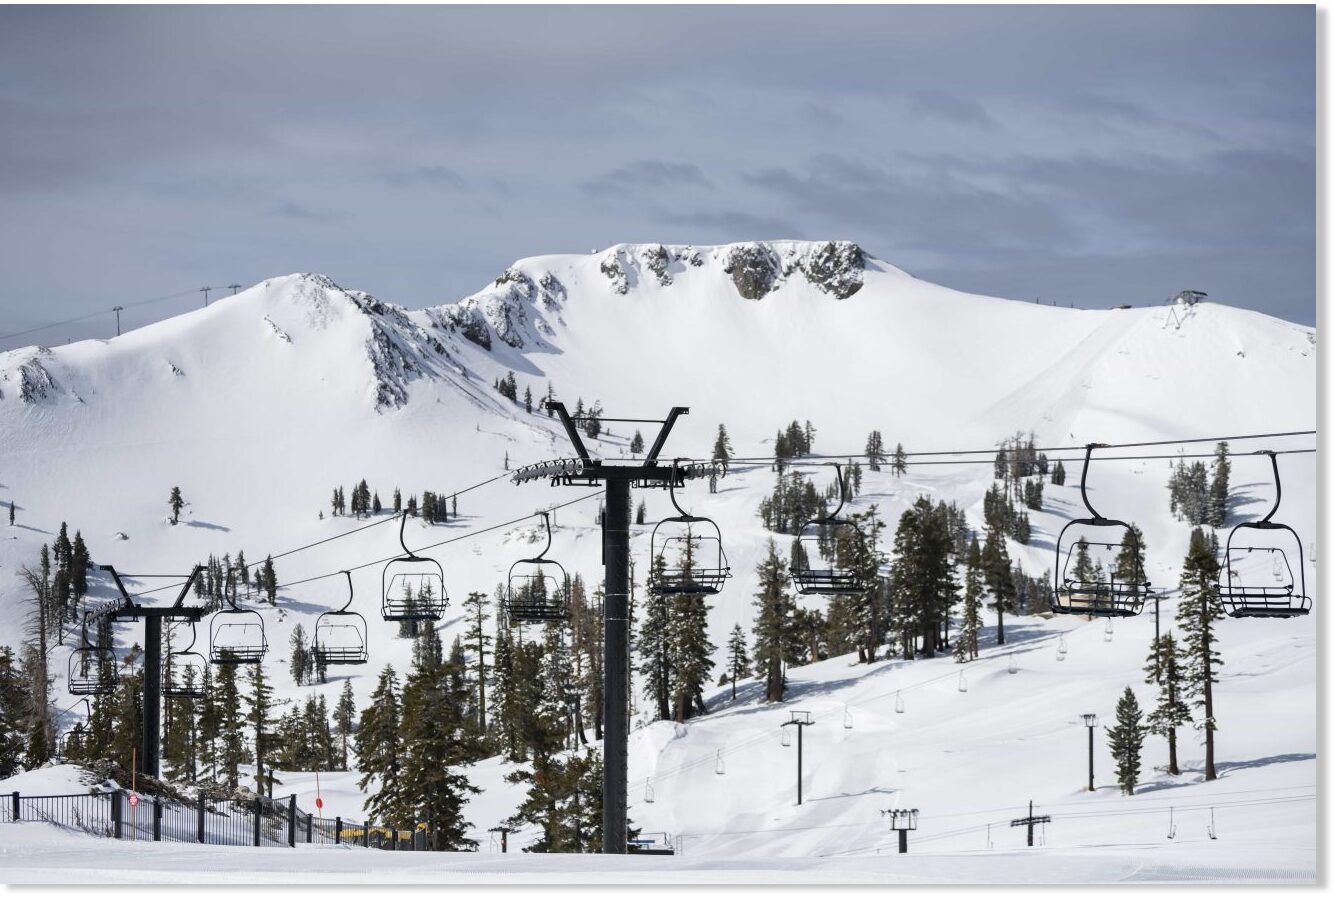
{"x": 254, "y": 821}
{"x": 263, "y": 822}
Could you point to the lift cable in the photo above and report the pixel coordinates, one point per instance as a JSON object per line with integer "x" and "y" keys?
{"x": 992, "y": 451}
{"x": 98, "y": 314}
{"x": 337, "y": 536}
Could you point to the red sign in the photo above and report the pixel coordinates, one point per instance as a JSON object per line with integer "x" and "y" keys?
{"x": 319, "y": 803}
{"x": 134, "y": 800}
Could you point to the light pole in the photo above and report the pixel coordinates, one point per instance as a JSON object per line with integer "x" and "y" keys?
{"x": 1090, "y": 721}
{"x": 800, "y": 720}
{"x": 118, "y": 310}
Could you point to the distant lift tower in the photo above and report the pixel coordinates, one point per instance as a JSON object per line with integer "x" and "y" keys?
{"x": 583, "y": 470}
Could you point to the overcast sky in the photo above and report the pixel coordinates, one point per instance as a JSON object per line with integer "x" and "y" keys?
{"x": 1082, "y": 155}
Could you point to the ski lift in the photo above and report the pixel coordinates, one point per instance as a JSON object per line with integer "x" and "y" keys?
{"x": 236, "y": 636}
{"x": 1080, "y": 592}
{"x": 648, "y": 791}
{"x": 538, "y": 586}
{"x": 701, "y": 565}
{"x": 340, "y": 636}
{"x": 1107, "y": 631}
{"x": 1061, "y": 649}
{"x": 90, "y": 667}
{"x": 1239, "y": 593}
{"x": 963, "y": 682}
{"x": 847, "y": 718}
{"x": 1171, "y": 823}
{"x": 718, "y": 766}
{"x": 413, "y": 587}
{"x": 1212, "y": 829}
{"x": 832, "y": 532}
{"x": 898, "y": 703}
{"x": 786, "y": 738}
{"x": 1014, "y": 664}
{"x": 183, "y": 671}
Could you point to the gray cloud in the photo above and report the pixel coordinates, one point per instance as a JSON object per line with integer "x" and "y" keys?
{"x": 1091, "y": 152}
{"x": 646, "y": 175}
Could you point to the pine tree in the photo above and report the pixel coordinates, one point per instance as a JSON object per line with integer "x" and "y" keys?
{"x": 637, "y": 443}
{"x": 774, "y": 632}
{"x": 231, "y": 752}
{"x": 641, "y": 512}
{"x": 11, "y": 513}
{"x": 13, "y": 716}
{"x": 477, "y": 639}
{"x": 875, "y": 450}
{"x": 1218, "y": 488}
{"x": 378, "y": 750}
{"x": 398, "y": 501}
{"x": 260, "y": 701}
{"x": 1058, "y": 474}
{"x": 722, "y": 448}
{"x": 1172, "y": 711}
{"x": 738, "y": 660}
{"x": 432, "y": 732}
{"x": 966, "y": 645}
{"x": 1196, "y": 614}
{"x": 345, "y": 716}
{"x": 996, "y": 572}
{"x": 177, "y": 503}
{"x": 528, "y": 399}
{"x": 299, "y": 666}
{"x": 900, "y": 463}
{"x": 1126, "y": 741}
{"x": 654, "y": 647}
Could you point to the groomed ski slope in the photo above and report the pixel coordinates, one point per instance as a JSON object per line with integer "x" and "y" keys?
{"x": 259, "y": 405}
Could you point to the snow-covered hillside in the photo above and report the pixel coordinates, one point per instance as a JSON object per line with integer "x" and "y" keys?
{"x": 259, "y": 405}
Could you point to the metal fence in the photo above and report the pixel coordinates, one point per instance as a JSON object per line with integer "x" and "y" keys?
{"x": 256, "y": 821}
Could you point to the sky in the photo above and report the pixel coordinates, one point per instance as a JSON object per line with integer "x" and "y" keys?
{"x": 1089, "y": 156}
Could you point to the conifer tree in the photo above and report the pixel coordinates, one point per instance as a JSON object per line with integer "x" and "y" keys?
{"x": 654, "y": 646}
{"x": 11, "y": 513}
{"x": 775, "y": 635}
{"x": 738, "y": 660}
{"x": 1126, "y": 741}
{"x": 900, "y": 463}
{"x": 875, "y": 450}
{"x": 345, "y": 716}
{"x": 1172, "y": 710}
{"x": 477, "y": 639}
{"x": 433, "y": 788}
{"x": 231, "y": 734}
{"x": 966, "y": 645}
{"x": 637, "y": 443}
{"x": 528, "y": 399}
{"x": 176, "y": 503}
{"x": 299, "y": 666}
{"x": 378, "y": 751}
{"x": 1058, "y": 474}
{"x": 1196, "y": 614}
{"x": 13, "y": 704}
{"x": 1000, "y": 585}
{"x": 260, "y": 702}
{"x": 1218, "y": 488}
{"x": 722, "y": 448}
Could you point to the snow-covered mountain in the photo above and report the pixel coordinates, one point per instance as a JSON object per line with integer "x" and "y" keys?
{"x": 259, "y": 405}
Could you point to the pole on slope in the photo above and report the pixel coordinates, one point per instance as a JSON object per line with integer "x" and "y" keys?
{"x": 1031, "y": 821}
{"x": 1090, "y": 721}
{"x": 800, "y": 720}
{"x": 117, "y": 310}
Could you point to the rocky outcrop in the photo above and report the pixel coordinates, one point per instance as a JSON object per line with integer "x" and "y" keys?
{"x": 754, "y": 268}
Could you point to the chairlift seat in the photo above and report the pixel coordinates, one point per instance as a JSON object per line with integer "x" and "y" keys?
{"x": 88, "y": 672}
{"x": 236, "y": 636}
{"x": 537, "y": 591}
{"x": 1241, "y": 597}
{"x": 405, "y": 579}
{"x": 1097, "y": 598}
{"x": 174, "y": 682}
{"x": 832, "y": 579}
{"x": 691, "y": 552}
{"x": 340, "y": 635}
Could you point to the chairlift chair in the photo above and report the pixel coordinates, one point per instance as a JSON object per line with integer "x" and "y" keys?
{"x": 538, "y": 587}
{"x": 90, "y": 668}
{"x": 340, "y": 636}
{"x": 898, "y": 703}
{"x": 836, "y": 578}
{"x": 183, "y": 671}
{"x": 686, "y": 553}
{"x": 236, "y": 636}
{"x": 1239, "y": 588}
{"x": 1079, "y": 593}
{"x": 413, "y": 587}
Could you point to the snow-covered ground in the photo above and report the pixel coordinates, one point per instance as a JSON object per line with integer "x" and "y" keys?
{"x": 258, "y": 406}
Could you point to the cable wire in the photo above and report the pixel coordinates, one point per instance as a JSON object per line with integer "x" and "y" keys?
{"x": 90, "y": 315}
